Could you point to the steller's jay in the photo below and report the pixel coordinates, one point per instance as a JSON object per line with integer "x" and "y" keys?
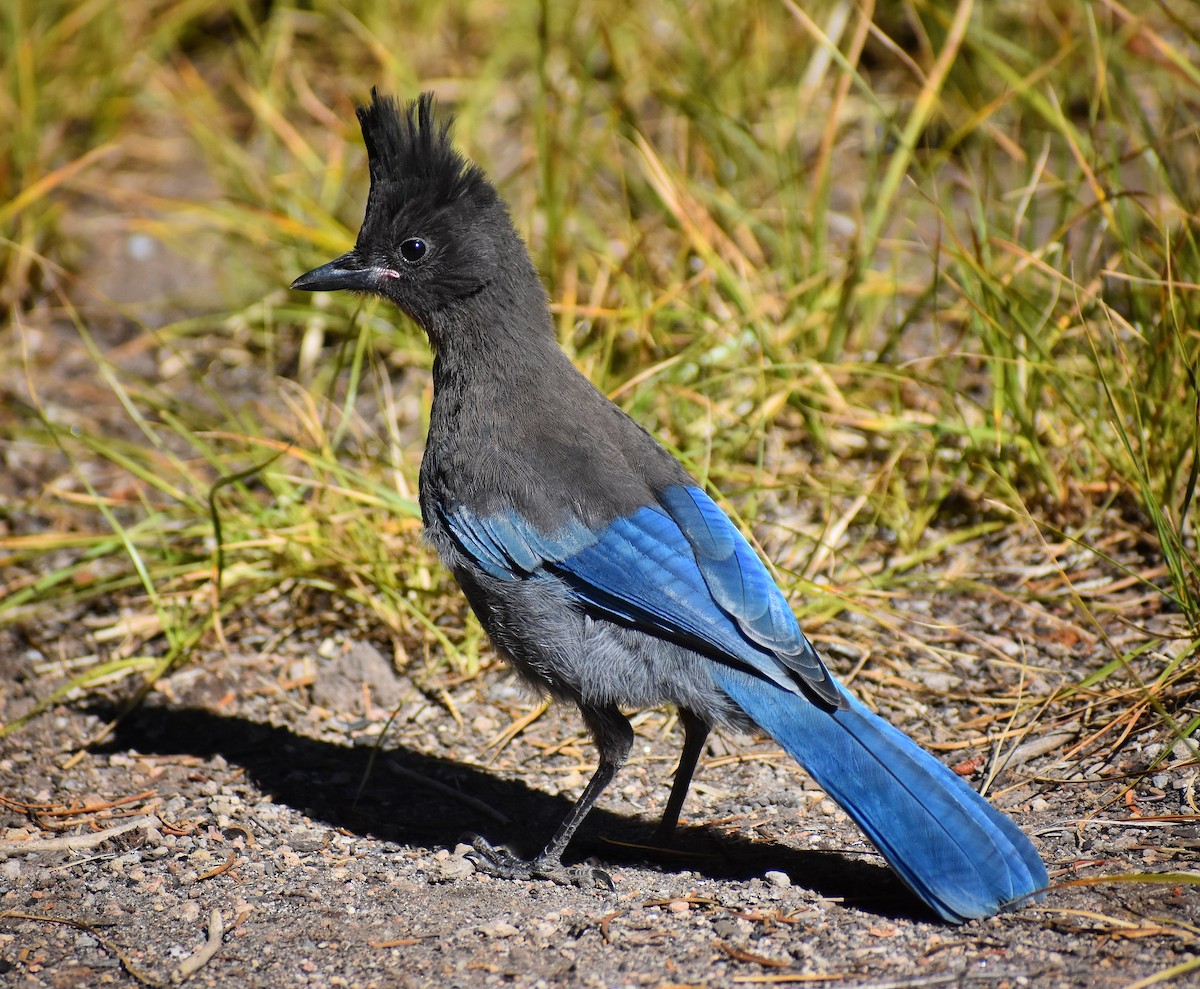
{"x": 596, "y": 564}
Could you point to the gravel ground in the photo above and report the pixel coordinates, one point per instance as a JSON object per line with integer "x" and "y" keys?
{"x": 246, "y": 828}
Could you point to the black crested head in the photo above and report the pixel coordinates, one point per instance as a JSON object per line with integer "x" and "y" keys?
{"x": 436, "y": 238}
{"x": 413, "y": 160}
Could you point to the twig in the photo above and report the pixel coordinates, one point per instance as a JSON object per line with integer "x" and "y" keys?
{"x": 202, "y": 956}
{"x": 739, "y": 954}
{"x": 607, "y": 919}
{"x": 501, "y": 741}
{"x": 220, "y": 868}
{"x": 97, "y": 807}
{"x": 75, "y": 842}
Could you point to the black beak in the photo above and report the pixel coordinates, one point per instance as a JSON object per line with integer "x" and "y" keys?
{"x": 346, "y": 272}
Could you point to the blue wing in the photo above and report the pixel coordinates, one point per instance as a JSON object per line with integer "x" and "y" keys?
{"x": 679, "y": 567}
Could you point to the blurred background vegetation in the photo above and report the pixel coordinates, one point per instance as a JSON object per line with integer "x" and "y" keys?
{"x": 914, "y": 286}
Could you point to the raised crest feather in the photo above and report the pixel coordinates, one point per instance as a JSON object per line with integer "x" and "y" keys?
{"x": 411, "y": 154}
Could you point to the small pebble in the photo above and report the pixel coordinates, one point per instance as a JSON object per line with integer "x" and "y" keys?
{"x": 454, "y": 868}
{"x": 780, "y": 879}
{"x": 727, "y": 927}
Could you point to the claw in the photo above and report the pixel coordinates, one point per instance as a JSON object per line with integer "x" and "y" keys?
{"x": 591, "y": 877}
{"x": 496, "y": 860}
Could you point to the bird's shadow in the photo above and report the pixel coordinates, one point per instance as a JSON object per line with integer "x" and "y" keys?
{"x": 323, "y": 779}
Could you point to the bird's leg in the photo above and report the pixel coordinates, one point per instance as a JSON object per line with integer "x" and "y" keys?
{"x": 695, "y": 732}
{"x": 614, "y": 738}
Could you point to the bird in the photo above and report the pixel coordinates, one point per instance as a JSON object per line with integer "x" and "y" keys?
{"x": 601, "y": 571}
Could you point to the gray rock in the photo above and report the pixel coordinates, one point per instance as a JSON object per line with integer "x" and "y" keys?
{"x": 339, "y": 682}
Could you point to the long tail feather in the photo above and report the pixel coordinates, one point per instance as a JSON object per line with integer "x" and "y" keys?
{"x": 949, "y": 845}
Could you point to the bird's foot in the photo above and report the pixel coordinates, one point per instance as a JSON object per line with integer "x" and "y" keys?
{"x": 496, "y": 860}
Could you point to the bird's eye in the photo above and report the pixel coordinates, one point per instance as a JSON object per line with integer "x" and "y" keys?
{"x": 413, "y": 250}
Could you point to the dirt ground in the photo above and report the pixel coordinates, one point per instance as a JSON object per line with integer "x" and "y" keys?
{"x": 244, "y": 828}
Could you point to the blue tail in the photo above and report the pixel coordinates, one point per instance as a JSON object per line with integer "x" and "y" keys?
{"x": 956, "y": 852}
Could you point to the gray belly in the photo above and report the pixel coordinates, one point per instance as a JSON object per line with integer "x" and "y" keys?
{"x": 561, "y": 649}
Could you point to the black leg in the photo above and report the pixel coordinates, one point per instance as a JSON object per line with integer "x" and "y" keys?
{"x": 614, "y": 738}
{"x": 695, "y": 732}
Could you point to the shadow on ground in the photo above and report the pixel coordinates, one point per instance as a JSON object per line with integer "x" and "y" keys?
{"x": 322, "y": 779}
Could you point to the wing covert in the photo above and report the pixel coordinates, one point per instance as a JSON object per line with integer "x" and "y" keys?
{"x": 679, "y": 567}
